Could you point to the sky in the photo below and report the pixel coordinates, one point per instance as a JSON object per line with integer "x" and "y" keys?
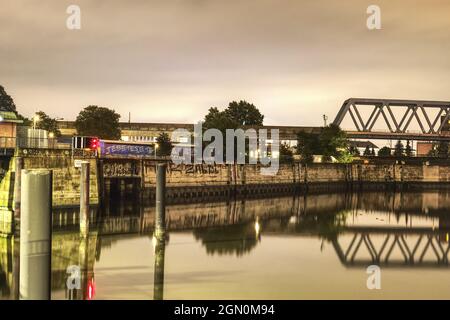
{"x": 171, "y": 60}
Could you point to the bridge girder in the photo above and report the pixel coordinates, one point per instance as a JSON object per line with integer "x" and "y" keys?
{"x": 431, "y": 127}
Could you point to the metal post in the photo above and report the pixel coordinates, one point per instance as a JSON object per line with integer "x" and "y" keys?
{"x": 17, "y": 178}
{"x": 83, "y": 261}
{"x": 160, "y": 219}
{"x": 158, "y": 278}
{"x": 35, "y": 234}
{"x": 84, "y": 199}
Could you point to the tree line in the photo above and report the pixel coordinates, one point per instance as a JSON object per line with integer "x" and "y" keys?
{"x": 329, "y": 142}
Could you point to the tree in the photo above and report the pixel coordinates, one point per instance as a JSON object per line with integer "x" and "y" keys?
{"x": 354, "y": 151}
{"x": 235, "y": 116}
{"x": 244, "y": 113}
{"x": 26, "y": 122}
{"x": 99, "y": 122}
{"x": 165, "y": 145}
{"x": 6, "y": 102}
{"x": 399, "y": 150}
{"x": 372, "y": 153}
{"x": 433, "y": 152}
{"x": 330, "y": 142}
{"x": 384, "y": 152}
{"x": 333, "y": 141}
{"x": 442, "y": 149}
{"x": 286, "y": 153}
{"x": 408, "y": 149}
{"x": 367, "y": 151}
{"x": 345, "y": 156}
{"x": 220, "y": 120}
{"x": 307, "y": 146}
{"x": 47, "y": 123}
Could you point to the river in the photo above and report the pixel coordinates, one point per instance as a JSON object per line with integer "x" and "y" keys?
{"x": 293, "y": 247}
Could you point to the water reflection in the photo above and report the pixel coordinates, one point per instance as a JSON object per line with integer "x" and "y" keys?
{"x": 236, "y": 239}
{"x": 159, "y": 254}
{"x": 393, "y": 230}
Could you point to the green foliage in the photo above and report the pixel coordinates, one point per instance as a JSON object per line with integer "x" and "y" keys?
{"x": 235, "y": 116}
{"x": 372, "y": 153}
{"x": 331, "y": 142}
{"x": 408, "y": 149}
{"x": 432, "y": 152}
{"x": 220, "y": 120}
{"x": 384, "y": 152}
{"x": 26, "y": 122}
{"x": 164, "y": 144}
{"x": 399, "y": 150}
{"x": 367, "y": 151}
{"x": 244, "y": 113}
{"x": 307, "y": 146}
{"x": 354, "y": 151}
{"x": 345, "y": 157}
{"x": 6, "y": 102}
{"x": 98, "y": 121}
{"x": 286, "y": 153}
{"x": 47, "y": 123}
{"x": 442, "y": 149}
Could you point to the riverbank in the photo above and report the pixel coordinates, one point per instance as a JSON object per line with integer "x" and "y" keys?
{"x": 124, "y": 178}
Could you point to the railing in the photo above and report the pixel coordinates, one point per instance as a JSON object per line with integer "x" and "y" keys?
{"x": 33, "y": 143}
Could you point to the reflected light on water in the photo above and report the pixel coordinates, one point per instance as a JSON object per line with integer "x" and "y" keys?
{"x": 257, "y": 228}
{"x": 91, "y": 289}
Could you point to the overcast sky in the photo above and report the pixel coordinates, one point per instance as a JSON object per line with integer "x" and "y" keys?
{"x": 170, "y": 60}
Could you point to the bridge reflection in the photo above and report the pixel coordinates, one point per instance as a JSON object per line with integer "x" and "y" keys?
{"x": 401, "y": 230}
{"x": 426, "y": 248}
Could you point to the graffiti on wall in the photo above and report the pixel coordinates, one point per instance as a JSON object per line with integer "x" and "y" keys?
{"x": 113, "y": 169}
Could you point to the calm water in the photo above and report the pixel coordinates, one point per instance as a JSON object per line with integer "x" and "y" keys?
{"x": 306, "y": 247}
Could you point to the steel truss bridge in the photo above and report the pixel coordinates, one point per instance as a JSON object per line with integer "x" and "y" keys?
{"x": 414, "y": 248}
{"x": 432, "y": 117}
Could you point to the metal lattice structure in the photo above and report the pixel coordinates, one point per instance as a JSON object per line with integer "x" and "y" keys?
{"x": 413, "y": 250}
{"x": 431, "y": 116}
